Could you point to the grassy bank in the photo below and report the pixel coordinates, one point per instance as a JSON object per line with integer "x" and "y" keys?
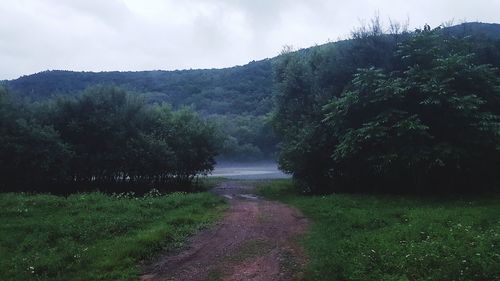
{"x": 361, "y": 237}
{"x": 94, "y": 236}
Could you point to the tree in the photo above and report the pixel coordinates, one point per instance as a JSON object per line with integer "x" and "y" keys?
{"x": 32, "y": 155}
{"x": 103, "y": 139}
{"x": 194, "y": 144}
{"x": 385, "y": 113}
{"x": 304, "y": 83}
{"x": 435, "y": 125}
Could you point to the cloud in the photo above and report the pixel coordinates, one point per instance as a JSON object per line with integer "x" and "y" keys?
{"x": 99, "y": 35}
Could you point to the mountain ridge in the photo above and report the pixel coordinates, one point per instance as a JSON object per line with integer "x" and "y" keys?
{"x": 242, "y": 89}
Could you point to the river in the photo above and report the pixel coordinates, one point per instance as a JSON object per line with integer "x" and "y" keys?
{"x": 251, "y": 171}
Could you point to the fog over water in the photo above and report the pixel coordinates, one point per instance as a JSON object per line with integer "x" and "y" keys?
{"x": 254, "y": 171}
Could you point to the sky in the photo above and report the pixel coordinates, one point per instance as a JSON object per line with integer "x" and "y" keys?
{"x": 134, "y": 35}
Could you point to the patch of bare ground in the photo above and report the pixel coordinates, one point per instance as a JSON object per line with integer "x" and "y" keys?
{"x": 256, "y": 240}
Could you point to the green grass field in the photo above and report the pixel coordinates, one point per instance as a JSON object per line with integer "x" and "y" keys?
{"x": 94, "y": 236}
{"x": 364, "y": 237}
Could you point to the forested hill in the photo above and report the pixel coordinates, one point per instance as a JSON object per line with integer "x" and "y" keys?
{"x": 238, "y": 99}
{"x": 236, "y": 90}
{"x": 241, "y": 90}
{"x": 489, "y": 30}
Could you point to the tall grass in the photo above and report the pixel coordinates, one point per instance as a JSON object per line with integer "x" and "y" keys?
{"x": 94, "y": 236}
{"x": 361, "y": 237}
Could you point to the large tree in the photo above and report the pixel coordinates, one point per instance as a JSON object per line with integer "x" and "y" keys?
{"x": 426, "y": 119}
{"x": 435, "y": 124}
{"x": 31, "y": 154}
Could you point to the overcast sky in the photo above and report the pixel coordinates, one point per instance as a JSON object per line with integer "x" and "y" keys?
{"x": 102, "y": 35}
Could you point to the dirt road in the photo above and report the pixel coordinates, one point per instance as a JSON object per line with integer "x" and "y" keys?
{"x": 256, "y": 240}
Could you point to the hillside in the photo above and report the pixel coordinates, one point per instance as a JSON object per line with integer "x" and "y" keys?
{"x": 241, "y": 90}
{"x": 236, "y": 90}
{"x": 476, "y": 29}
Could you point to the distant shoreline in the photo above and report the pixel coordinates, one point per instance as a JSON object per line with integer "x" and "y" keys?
{"x": 251, "y": 170}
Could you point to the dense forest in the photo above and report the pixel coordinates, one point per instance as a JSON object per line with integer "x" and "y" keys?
{"x": 401, "y": 112}
{"x": 104, "y": 139}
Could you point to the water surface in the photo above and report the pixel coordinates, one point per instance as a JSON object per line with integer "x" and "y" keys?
{"x": 253, "y": 171}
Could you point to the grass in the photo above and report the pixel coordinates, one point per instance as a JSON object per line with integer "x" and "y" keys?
{"x": 94, "y": 236}
{"x": 205, "y": 183}
{"x": 366, "y": 237}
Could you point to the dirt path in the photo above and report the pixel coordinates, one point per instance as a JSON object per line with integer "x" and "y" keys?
{"x": 256, "y": 240}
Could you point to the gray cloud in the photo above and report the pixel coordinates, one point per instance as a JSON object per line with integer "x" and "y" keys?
{"x": 98, "y": 35}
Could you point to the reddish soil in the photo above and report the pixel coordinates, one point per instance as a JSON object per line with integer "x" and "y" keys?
{"x": 256, "y": 240}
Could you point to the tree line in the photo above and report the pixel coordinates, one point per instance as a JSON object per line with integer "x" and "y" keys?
{"x": 237, "y": 98}
{"x": 411, "y": 112}
{"x": 105, "y": 139}
{"x": 242, "y": 90}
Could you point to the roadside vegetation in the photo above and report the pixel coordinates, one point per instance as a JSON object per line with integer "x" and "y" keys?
{"x": 382, "y": 237}
{"x": 93, "y": 236}
{"x": 105, "y": 139}
{"x": 402, "y": 112}
{"x": 387, "y": 114}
